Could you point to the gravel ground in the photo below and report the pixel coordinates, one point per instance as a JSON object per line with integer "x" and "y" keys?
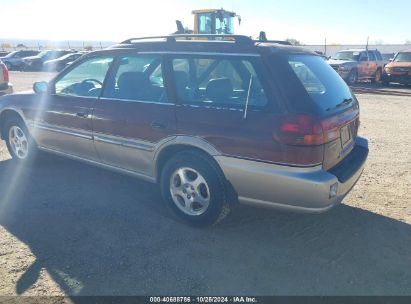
{"x": 71, "y": 229}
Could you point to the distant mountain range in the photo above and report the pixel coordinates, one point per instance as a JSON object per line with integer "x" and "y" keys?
{"x": 12, "y": 43}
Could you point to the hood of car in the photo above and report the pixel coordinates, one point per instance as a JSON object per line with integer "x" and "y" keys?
{"x": 399, "y": 64}
{"x": 16, "y": 100}
{"x": 340, "y": 62}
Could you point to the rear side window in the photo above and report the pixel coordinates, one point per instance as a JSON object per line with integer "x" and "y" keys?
{"x": 325, "y": 87}
{"x": 138, "y": 78}
{"x": 218, "y": 81}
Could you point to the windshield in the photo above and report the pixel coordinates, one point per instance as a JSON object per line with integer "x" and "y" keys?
{"x": 322, "y": 83}
{"x": 224, "y": 24}
{"x": 68, "y": 56}
{"x": 43, "y": 54}
{"x": 403, "y": 57}
{"x": 347, "y": 55}
{"x": 11, "y": 54}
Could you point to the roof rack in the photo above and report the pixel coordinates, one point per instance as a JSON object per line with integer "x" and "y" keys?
{"x": 172, "y": 38}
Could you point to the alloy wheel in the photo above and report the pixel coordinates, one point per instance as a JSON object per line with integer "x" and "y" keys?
{"x": 18, "y": 142}
{"x": 189, "y": 191}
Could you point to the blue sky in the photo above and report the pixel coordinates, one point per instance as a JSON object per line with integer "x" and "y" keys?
{"x": 310, "y": 21}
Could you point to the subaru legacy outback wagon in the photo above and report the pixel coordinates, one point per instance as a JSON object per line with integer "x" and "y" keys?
{"x": 215, "y": 123}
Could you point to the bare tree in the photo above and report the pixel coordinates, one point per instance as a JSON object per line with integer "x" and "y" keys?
{"x": 293, "y": 41}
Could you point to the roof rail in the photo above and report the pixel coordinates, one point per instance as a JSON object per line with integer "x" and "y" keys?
{"x": 274, "y": 41}
{"x": 172, "y": 38}
{"x": 168, "y": 38}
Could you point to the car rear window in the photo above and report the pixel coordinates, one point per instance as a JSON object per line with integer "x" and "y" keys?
{"x": 325, "y": 87}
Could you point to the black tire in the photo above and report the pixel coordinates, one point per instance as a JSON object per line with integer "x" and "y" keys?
{"x": 352, "y": 77}
{"x": 218, "y": 207}
{"x": 385, "y": 80}
{"x": 378, "y": 76}
{"x": 31, "y": 149}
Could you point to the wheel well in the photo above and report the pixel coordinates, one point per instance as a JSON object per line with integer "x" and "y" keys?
{"x": 7, "y": 114}
{"x": 168, "y": 152}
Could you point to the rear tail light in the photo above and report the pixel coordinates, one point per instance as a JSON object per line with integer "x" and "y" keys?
{"x": 5, "y": 73}
{"x": 307, "y": 130}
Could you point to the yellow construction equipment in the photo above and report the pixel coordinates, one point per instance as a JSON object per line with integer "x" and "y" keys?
{"x": 211, "y": 21}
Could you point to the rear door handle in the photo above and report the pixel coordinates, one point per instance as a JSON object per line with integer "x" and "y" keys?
{"x": 157, "y": 125}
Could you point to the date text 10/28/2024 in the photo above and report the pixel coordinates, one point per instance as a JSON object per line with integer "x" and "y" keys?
{"x": 203, "y": 300}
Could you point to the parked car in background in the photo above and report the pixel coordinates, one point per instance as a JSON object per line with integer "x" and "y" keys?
{"x": 213, "y": 122}
{"x": 35, "y": 63}
{"x": 4, "y": 53}
{"x": 358, "y": 64}
{"x": 5, "y": 86}
{"x": 14, "y": 60}
{"x": 60, "y": 63}
{"x": 399, "y": 70}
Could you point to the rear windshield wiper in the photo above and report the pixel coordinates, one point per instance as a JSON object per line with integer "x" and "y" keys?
{"x": 344, "y": 102}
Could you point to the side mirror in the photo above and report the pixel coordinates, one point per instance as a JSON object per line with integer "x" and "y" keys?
{"x": 40, "y": 87}
{"x": 391, "y": 59}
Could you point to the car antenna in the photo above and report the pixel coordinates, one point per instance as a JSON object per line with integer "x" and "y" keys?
{"x": 248, "y": 98}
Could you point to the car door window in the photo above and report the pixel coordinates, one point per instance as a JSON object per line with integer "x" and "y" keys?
{"x": 363, "y": 56}
{"x": 86, "y": 79}
{"x": 223, "y": 82}
{"x": 137, "y": 78}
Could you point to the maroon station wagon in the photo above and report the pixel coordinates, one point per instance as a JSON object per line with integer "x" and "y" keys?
{"x": 215, "y": 122}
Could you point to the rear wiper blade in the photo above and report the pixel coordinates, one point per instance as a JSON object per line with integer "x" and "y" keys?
{"x": 344, "y": 102}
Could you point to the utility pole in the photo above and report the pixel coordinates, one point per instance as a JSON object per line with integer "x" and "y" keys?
{"x": 366, "y": 47}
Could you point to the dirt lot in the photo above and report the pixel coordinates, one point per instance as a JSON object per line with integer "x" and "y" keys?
{"x": 70, "y": 229}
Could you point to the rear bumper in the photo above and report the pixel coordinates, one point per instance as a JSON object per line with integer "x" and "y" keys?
{"x": 6, "y": 89}
{"x": 294, "y": 188}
